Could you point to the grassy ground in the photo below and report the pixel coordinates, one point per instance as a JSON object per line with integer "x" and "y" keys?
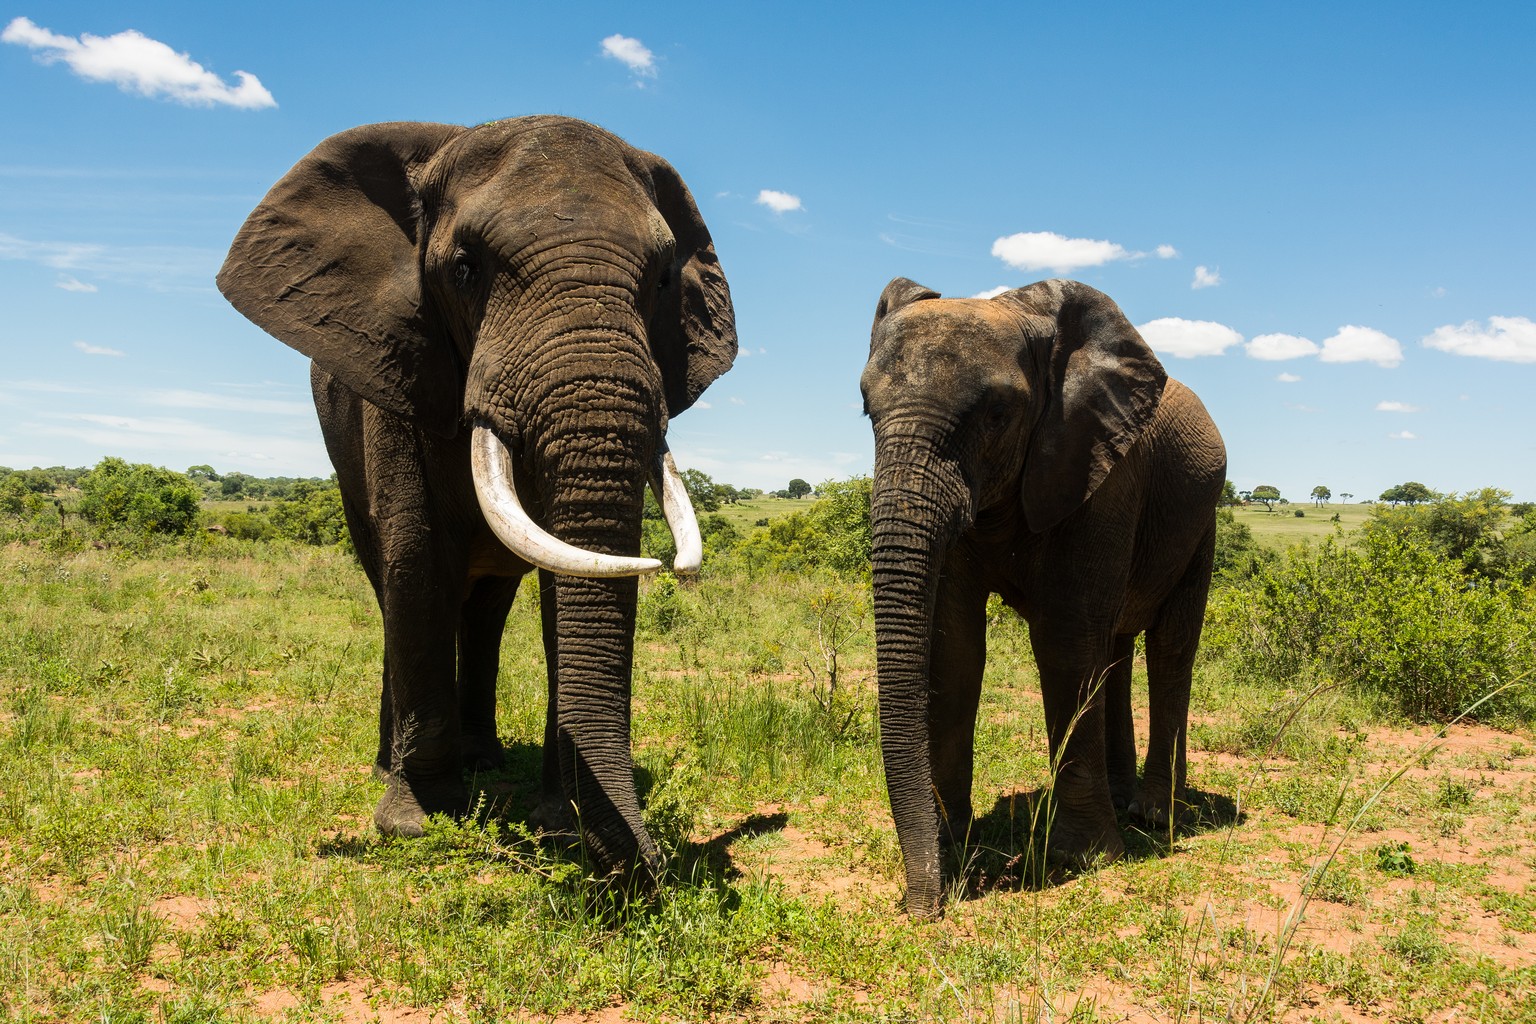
{"x": 746, "y": 514}
{"x": 1283, "y": 527}
{"x": 185, "y": 832}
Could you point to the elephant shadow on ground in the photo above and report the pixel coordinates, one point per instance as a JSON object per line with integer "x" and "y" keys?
{"x": 510, "y": 796}
{"x": 1008, "y": 848}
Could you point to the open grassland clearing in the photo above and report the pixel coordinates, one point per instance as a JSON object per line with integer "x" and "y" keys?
{"x": 185, "y": 738}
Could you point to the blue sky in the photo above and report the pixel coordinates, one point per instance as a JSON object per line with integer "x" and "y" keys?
{"x": 1349, "y": 187}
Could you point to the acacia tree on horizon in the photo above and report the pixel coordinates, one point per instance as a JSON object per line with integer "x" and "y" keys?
{"x": 1267, "y": 495}
{"x": 1320, "y": 495}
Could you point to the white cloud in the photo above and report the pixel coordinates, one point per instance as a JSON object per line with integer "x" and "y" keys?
{"x": 778, "y": 202}
{"x": 136, "y": 63}
{"x": 1404, "y": 435}
{"x": 73, "y": 284}
{"x": 1205, "y": 277}
{"x": 737, "y": 401}
{"x": 1166, "y": 252}
{"x": 1355, "y": 344}
{"x": 632, "y": 53}
{"x": 702, "y": 405}
{"x": 1186, "y": 339}
{"x": 97, "y": 350}
{"x": 1274, "y": 347}
{"x": 1046, "y": 250}
{"x": 1437, "y": 292}
{"x": 182, "y": 399}
{"x": 1509, "y": 339}
{"x": 992, "y": 293}
{"x": 1395, "y": 407}
{"x": 1287, "y": 378}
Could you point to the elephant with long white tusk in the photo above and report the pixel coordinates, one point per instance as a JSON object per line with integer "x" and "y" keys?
{"x": 502, "y": 322}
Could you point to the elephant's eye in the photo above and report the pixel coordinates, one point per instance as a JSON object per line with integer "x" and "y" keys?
{"x": 996, "y": 415}
{"x": 465, "y": 273}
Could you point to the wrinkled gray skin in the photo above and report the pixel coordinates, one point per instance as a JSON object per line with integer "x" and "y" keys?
{"x": 543, "y": 276}
{"x": 1032, "y": 446}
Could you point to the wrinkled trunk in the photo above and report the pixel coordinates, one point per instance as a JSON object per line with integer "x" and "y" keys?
{"x": 916, "y": 512}
{"x": 585, "y": 430}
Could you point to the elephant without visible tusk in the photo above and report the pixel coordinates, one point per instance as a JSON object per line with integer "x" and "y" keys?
{"x": 496, "y": 490}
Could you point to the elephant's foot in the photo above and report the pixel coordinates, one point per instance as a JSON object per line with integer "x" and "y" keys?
{"x": 482, "y": 752}
{"x": 1083, "y": 847}
{"x": 1122, "y": 791}
{"x": 553, "y": 817}
{"x": 404, "y": 808}
{"x": 1157, "y": 807}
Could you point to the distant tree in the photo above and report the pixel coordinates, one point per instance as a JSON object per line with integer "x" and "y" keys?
{"x": 1410, "y": 493}
{"x": 1247, "y": 496}
{"x": 798, "y": 488}
{"x": 1228, "y": 496}
{"x": 1320, "y": 495}
{"x": 201, "y": 473}
{"x": 1345, "y": 495}
{"x": 701, "y": 490}
{"x": 1267, "y": 495}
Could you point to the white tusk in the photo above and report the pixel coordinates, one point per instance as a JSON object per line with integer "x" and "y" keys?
{"x": 492, "y": 467}
{"x": 669, "y": 489}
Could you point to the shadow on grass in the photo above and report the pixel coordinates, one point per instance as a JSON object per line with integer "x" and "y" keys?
{"x": 1008, "y": 848}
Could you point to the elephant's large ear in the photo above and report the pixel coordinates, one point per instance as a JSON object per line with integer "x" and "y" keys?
{"x": 693, "y": 328}
{"x": 328, "y": 264}
{"x": 897, "y": 294}
{"x": 1101, "y": 386}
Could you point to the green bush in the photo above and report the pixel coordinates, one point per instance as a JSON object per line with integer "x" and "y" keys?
{"x": 833, "y": 534}
{"x": 1391, "y": 616}
{"x": 313, "y": 514}
{"x": 143, "y": 498}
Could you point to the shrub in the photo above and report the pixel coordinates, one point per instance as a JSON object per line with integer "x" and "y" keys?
{"x": 312, "y": 515}
{"x": 833, "y": 534}
{"x": 1390, "y": 616}
{"x": 142, "y": 498}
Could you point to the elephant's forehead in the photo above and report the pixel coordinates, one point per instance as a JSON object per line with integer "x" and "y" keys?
{"x": 949, "y": 329}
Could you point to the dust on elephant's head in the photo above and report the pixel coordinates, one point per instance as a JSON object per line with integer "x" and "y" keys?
{"x": 1042, "y": 388}
{"x": 392, "y": 252}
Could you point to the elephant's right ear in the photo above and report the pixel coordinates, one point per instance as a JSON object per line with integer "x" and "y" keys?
{"x": 897, "y": 294}
{"x": 1101, "y": 385}
{"x": 327, "y": 264}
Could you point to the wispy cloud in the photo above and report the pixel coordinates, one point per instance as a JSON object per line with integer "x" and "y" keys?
{"x": 1275, "y": 347}
{"x": 1187, "y": 339}
{"x": 1395, "y": 407}
{"x": 1355, "y": 344}
{"x": 138, "y": 64}
{"x": 992, "y": 293}
{"x": 73, "y": 284}
{"x": 632, "y": 53}
{"x": 1287, "y": 378}
{"x": 159, "y": 267}
{"x": 1166, "y": 252}
{"x": 97, "y": 350}
{"x": 778, "y": 202}
{"x": 1509, "y": 339}
{"x": 1205, "y": 277}
{"x": 1404, "y": 435}
{"x": 184, "y": 399}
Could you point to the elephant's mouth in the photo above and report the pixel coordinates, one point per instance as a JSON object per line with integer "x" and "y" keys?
{"x": 496, "y": 490}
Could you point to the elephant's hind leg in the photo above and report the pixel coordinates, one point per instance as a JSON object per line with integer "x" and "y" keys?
{"x": 482, "y": 621}
{"x": 1172, "y": 643}
{"x": 1119, "y": 723}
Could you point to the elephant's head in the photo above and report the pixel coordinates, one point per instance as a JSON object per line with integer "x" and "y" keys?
{"x": 983, "y": 411}
{"x": 536, "y": 280}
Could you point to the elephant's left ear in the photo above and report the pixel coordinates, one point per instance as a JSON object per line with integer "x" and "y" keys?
{"x": 693, "y": 328}
{"x": 1102, "y": 385}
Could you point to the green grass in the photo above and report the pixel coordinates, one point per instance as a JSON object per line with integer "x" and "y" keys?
{"x": 185, "y": 831}
{"x": 744, "y": 515}
{"x": 1282, "y": 527}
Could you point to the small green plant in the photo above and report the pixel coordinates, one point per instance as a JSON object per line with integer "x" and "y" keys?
{"x": 1394, "y": 859}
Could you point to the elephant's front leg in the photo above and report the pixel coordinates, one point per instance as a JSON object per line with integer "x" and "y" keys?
{"x": 1072, "y": 677}
{"x": 1120, "y": 723}
{"x": 426, "y": 770}
{"x": 957, "y": 663}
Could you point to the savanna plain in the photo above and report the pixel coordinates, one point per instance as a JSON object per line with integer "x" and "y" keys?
{"x": 187, "y": 723}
